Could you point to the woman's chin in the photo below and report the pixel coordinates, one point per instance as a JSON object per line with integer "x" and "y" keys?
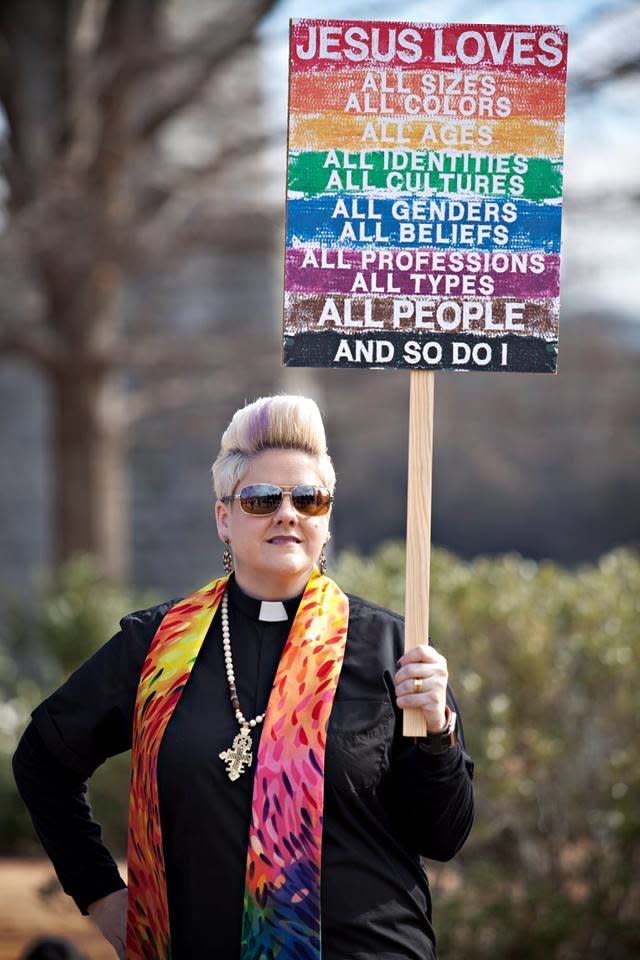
{"x": 288, "y": 563}
{"x": 286, "y": 568}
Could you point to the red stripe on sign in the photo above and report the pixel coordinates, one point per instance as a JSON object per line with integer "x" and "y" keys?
{"x": 535, "y": 51}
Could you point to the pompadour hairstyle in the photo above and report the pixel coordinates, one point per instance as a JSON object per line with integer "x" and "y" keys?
{"x": 285, "y": 422}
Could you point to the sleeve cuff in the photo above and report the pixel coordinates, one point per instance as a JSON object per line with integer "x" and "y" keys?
{"x": 438, "y": 763}
{"x": 97, "y": 887}
{"x": 447, "y": 754}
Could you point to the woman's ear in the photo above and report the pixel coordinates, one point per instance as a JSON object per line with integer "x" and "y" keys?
{"x": 223, "y": 519}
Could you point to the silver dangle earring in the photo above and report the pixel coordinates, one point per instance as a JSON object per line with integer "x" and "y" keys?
{"x": 322, "y": 559}
{"x": 227, "y": 558}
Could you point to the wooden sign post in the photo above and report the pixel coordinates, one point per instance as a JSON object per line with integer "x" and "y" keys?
{"x": 418, "y": 565}
{"x": 424, "y": 200}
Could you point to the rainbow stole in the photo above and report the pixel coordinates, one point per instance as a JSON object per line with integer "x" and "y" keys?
{"x": 281, "y": 913}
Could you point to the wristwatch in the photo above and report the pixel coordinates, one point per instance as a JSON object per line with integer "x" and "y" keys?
{"x": 440, "y": 742}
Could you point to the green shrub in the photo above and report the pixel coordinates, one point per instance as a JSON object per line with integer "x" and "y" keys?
{"x": 42, "y": 640}
{"x": 545, "y": 665}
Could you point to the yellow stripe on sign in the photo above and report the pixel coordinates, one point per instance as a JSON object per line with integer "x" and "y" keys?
{"x": 533, "y": 138}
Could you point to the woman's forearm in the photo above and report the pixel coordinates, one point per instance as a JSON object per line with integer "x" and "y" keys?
{"x": 62, "y": 817}
{"x": 432, "y": 798}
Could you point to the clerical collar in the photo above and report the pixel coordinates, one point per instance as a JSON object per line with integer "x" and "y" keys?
{"x": 266, "y": 610}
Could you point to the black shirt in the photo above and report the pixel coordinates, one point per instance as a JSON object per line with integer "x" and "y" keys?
{"x": 386, "y": 801}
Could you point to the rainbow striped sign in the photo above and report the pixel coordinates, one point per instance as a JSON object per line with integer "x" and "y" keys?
{"x": 424, "y": 195}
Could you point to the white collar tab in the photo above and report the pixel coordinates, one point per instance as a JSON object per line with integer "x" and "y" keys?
{"x": 273, "y": 610}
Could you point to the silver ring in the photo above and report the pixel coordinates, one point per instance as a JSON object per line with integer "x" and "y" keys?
{"x": 417, "y": 684}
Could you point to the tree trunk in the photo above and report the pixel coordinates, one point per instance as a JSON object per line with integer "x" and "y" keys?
{"x": 89, "y": 444}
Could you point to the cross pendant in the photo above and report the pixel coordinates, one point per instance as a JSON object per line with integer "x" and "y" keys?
{"x": 238, "y": 755}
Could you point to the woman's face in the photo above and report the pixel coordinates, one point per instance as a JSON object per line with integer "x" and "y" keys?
{"x": 273, "y": 556}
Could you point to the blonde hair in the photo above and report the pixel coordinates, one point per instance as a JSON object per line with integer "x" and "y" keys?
{"x": 283, "y": 421}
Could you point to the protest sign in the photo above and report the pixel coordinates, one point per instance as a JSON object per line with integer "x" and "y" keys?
{"x": 424, "y": 201}
{"x": 424, "y": 195}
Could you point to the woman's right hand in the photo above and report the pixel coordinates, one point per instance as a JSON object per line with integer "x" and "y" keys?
{"x": 110, "y": 917}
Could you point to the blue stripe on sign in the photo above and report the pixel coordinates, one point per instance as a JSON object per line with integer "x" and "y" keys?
{"x": 471, "y": 223}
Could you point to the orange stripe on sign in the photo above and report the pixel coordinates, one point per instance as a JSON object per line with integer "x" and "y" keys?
{"x": 409, "y": 94}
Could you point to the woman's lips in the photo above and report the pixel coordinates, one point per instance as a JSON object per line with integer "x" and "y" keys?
{"x": 281, "y": 540}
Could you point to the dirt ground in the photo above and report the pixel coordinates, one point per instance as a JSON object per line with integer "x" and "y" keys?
{"x": 33, "y": 904}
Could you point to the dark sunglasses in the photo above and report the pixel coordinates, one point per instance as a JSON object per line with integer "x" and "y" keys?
{"x": 261, "y": 499}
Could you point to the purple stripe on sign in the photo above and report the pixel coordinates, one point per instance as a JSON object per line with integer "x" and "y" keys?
{"x": 499, "y": 273}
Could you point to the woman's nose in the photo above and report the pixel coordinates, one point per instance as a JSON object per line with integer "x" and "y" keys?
{"x": 286, "y": 511}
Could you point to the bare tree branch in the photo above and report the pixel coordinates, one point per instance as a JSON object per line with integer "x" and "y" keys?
{"x": 37, "y": 346}
{"x": 164, "y": 55}
{"x": 622, "y": 70}
{"x": 609, "y": 48}
{"x": 216, "y": 47}
{"x": 155, "y": 352}
{"x": 180, "y": 392}
{"x": 151, "y": 204}
{"x": 237, "y": 232}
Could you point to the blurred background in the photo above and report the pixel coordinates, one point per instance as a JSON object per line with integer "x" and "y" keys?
{"x": 142, "y": 183}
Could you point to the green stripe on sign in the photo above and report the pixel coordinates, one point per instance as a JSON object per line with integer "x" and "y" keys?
{"x": 337, "y": 171}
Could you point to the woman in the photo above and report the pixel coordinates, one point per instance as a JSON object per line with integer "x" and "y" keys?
{"x": 276, "y": 809}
